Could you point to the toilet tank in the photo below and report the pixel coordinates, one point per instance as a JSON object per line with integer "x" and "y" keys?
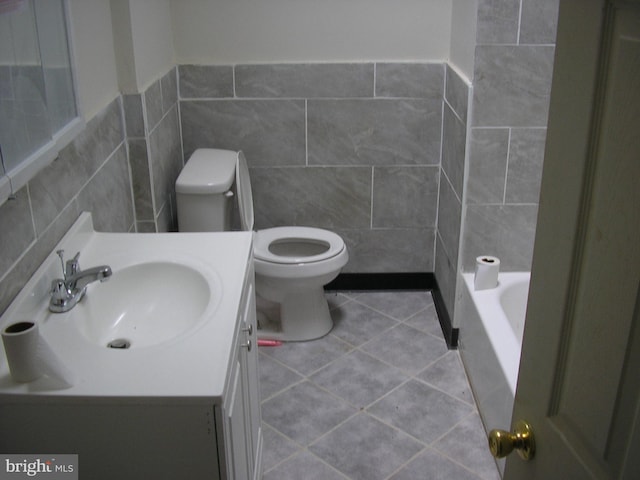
{"x": 203, "y": 191}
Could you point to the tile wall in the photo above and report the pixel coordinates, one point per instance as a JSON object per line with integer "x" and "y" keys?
{"x": 512, "y": 81}
{"x": 452, "y": 177}
{"x": 155, "y": 152}
{"x": 354, "y": 148}
{"x": 90, "y": 174}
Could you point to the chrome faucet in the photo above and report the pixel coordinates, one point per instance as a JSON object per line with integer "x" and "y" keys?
{"x": 66, "y": 292}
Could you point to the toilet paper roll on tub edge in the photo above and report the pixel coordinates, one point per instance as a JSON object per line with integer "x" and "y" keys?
{"x": 30, "y": 356}
{"x": 487, "y": 269}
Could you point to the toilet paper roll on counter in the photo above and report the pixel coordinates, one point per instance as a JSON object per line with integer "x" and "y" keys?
{"x": 487, "y": 269}
{"x": 30, "y": 356}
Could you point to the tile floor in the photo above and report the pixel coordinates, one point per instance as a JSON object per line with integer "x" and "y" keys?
{"x": 378, "y": 398}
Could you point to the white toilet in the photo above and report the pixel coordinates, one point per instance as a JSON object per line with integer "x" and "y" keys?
{"x": 292, "y": 264}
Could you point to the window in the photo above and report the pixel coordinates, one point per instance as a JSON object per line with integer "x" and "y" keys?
{"x": 38, "y": 106}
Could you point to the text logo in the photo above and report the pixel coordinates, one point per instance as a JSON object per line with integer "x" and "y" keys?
{"x": 51, "y": 467}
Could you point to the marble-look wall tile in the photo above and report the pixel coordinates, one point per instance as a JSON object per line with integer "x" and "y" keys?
{"x": 54, "y": 187}
{"x": 169, "y": 90}
{"x": 313, "y": 134}
{"x": 153, "y": 104}
{"x": 449, "y": 218}
{"x": 454, "y": 133}
{"x": 146, "y": 227}
{"x": 487, "y": 165}
{"x": 512, "y": 85}
{"x": 320, "y": 197}
{"x": 457, "y": 93}
{"x": 35, "y": 254}
{"x": 270, "y": 132}
{"x": 310, "y": 80}
{"x": 389, "y": 250}
{"x": 6, "y": 86}
{"x": 141, "y": 179}
{"x": 374, "y": 132}
{"x": 405, "y": 197}
{"x": 91, "y": 173}
{"x": 205, "y": 81}
{"x": 526, "y": 156}
{"x": 411, "y": 80}
{"x": 133, "y": 116}
{"x": 166, "y": 220}
{"x": 446, "y": 274}
{"x": 539, "y": 21}
{"x": 17, "y": 229}
{"x": 108, "y": 195}
{"x": 165, "y": 158}
{"x": 498, "y": 21}
{"x": 506, "y": 231}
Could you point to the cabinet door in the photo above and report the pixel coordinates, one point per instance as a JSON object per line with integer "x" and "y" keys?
{"x": 238, "y": 458}
{"x": 249, "y": 357}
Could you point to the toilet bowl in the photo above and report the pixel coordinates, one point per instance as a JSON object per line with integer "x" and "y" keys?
{"x": 292, "y": 264}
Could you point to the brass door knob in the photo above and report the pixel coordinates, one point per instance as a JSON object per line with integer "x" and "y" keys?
{"x": 502, "y": 443}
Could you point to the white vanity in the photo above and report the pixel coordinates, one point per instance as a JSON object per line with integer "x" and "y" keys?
{"x": 163, "y": 357}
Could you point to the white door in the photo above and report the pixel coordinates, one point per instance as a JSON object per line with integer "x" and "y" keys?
{"x": 579, "y": 384}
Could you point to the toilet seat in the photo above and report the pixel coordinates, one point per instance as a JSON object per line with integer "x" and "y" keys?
{"x": 313, "y": 245}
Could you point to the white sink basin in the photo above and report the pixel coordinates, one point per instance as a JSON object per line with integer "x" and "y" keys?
{"x": 142, "y": 305}
{"x": 172, "y": 300}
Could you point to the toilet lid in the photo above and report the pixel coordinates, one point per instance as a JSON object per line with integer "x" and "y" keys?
{"x": 245, "y": 197}
{"x": 294, "y": 245}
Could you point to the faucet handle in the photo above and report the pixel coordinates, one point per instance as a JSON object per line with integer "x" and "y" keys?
{"x": 58, "y": 290}
{"x": 71, "y": 267}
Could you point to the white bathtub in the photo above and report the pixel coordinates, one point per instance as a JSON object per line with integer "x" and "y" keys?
{"x": 491, "y": 323}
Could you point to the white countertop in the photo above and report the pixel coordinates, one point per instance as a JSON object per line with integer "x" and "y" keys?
{"x": 190, "y": 368}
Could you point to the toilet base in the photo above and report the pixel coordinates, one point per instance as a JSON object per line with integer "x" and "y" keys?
{"x": 302, "y": 315}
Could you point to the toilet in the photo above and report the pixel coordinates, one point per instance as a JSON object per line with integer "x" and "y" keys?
{"x": 292, "y": 264}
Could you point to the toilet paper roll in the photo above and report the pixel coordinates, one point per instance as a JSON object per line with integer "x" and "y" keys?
{"x": 487, "y": 269}
{"x": 30, "y": 356}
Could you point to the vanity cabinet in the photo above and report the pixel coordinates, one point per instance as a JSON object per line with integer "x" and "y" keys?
{"x": 167, "y": 412}
{"x": 241, "y": 408}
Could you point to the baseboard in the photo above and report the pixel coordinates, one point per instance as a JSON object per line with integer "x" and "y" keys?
{"x": 383, "y": 281}
{"x": 401, "y": 281}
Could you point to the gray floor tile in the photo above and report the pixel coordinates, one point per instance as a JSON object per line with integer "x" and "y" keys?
{"x": 305, "y": 466}
{"x": 406, "y": 348}
{"x": 277, "y": 447}
{"x": 359, "y": 378}
{"x": 364, "y": 448}
{"x": 420, "y": 410}
{"x": 447, "y": 374}
{"x": 355, "y": 323}
{"x": 275, "y": 377}
{"x": 397, "y": 304}
{"x": 430, "y": 465}
{"x": 467, "y": 443}
{"x": 304, "y": 412}
{"x": 426, "y": 320}
{"x": 335, "y": 299}
{"x": 307, "y": 357}
{"x": 417, "y": 392}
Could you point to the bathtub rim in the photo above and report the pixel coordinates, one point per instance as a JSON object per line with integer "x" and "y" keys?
{"x": 503, "y": 339}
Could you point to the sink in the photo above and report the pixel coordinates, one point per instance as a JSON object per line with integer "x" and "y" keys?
{"x": 170, "y": 307}
{"x": 143, "y": 305}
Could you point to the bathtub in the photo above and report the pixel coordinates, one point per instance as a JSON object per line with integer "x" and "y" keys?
{"x": 491, "y": 324}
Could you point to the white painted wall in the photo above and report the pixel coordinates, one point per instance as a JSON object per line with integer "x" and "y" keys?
{"x": 165, "y": 32}
{"x": 464, "y": 15}
{"x": 152, "y": 40}
{"x": 94, "y": 54}
{"x": 269, "y": 31}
